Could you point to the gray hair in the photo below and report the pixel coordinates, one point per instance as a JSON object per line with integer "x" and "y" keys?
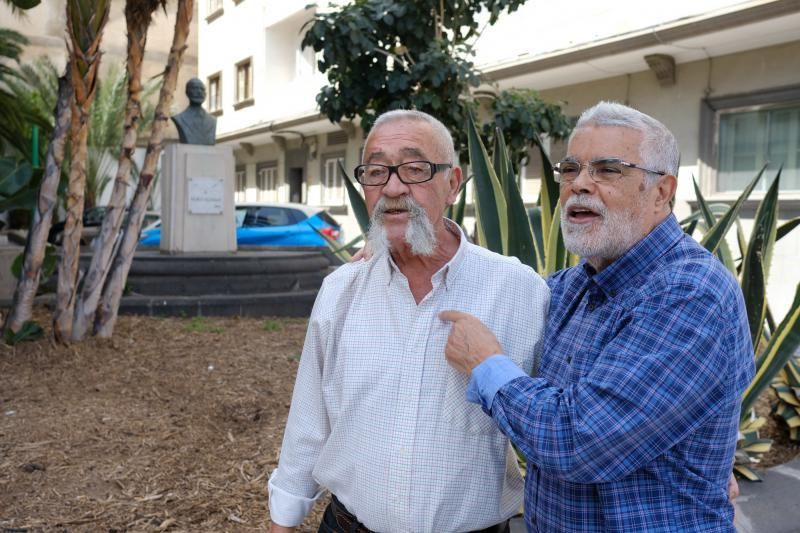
{"x": 659, "y": 149}
{"x": 445, "y": 140}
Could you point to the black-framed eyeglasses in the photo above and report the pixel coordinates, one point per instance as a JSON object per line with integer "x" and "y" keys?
{"x": 603, "y": 170}
{"x": 412, "y": 172}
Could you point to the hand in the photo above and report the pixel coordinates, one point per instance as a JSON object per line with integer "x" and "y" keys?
{"x": 733, "y": 488}
{"x": 470, "y": 342}
{"x": 364, "y": 253}
{"x": 275, "y": 528}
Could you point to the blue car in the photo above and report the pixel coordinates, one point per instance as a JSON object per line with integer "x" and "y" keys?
{"x": 272, "y": 224}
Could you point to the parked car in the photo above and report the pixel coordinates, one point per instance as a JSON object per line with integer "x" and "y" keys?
{"x": 92, "y": 220}
{"x": 272, "y": 224}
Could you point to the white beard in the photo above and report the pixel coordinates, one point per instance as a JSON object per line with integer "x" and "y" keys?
{"x": 420, "y": 234}
{"x": 608, "y": 238}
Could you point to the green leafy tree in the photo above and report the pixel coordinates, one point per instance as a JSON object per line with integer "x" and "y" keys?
{"x": 380, "y": 55}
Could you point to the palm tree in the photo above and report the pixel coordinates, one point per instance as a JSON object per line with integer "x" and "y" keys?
{"x": 86, "y": 20}
{"x": 22, "y": 303}
{"x": 138, "y": 15}
{"x": 19, "y": 111}
{"x": 107, "y": 313}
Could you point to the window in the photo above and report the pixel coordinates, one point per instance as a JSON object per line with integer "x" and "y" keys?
{"x": 240, "y": 195}
{"x": 750, "y": 139}
{"x": 741, "y": 133}
{"x": 267, "y": 182}
{"x": 214, "y": 95}
{"x": 244, "y": 84}
{"x": 305, "y": 62}
{"x": 332, "y": 186}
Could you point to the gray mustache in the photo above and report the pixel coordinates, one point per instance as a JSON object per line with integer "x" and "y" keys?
{"x": 404, "y": 202}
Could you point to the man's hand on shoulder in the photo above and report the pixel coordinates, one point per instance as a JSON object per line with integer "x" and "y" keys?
{"x": 364, "y": 253}
{"x": 470, "y": 341}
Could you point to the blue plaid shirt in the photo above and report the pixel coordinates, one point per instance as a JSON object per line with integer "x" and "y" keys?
{"x": 631, "y": 424}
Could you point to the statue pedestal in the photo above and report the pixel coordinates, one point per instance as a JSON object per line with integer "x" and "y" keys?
{"x": 197, "y": 185}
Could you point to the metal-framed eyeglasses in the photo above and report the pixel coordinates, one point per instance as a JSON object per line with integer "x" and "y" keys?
{"x": 411, "y": 172}
{"x": 604, "y": 170}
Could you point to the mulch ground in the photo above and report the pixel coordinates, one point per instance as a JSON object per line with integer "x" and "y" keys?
{"x": 172, "y": 425}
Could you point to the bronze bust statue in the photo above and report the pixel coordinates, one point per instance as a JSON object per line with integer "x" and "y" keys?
{"x": 194, "y": 124}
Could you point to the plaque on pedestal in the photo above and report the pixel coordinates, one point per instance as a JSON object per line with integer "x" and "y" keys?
{"x": 197, "y": 185}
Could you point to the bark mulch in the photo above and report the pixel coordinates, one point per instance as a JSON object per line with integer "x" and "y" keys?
{"x": 172, "y": 425}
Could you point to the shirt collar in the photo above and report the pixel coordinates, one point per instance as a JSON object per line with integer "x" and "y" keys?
{"x": 448, "y": 271}
{"x": 621, "y": 272}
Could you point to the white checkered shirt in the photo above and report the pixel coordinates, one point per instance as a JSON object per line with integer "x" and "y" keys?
{"x": 379, "y": 418}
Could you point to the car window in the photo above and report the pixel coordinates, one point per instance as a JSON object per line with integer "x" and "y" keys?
{"x": 268, "y": 216}
{"x": 327, "y": 218}
{"x": 241, "y": 215}
{"x": 296, "y": 215}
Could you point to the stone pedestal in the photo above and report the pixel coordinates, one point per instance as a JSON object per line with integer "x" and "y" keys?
{"x": 197, "y": 185}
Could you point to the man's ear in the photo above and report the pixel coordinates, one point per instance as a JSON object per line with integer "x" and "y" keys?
{"x": 454, "y": 182}
{"x": 665, "y": 191}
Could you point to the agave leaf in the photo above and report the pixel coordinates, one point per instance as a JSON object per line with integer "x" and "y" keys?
{"x": 782, "y": 345}
{"x": 520, "y": 238}
{"x": 786, "y": 228}
{"x": 356, "y": 201}
{"x": 556, "y": 256}
{"x": 489, "y": 200}
{"x": 746, "y": 472}
{"x": 765, "y": 223}
{"x": 753, "y": 289}
{"x": 535, "y": 217}
{"x": 716, "y": 234}
{"x": 720, "y": 249}
{"x": 548, "y": 194}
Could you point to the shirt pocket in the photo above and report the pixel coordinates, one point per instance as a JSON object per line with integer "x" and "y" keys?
{"x": 460, "y": 415}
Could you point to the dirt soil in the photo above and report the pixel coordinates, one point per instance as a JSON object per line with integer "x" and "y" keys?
{"x": 172, "y": 425}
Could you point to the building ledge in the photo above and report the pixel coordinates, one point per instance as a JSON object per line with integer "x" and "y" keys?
{"x": 247, "y": 102}
{"x": 214, "y": 15}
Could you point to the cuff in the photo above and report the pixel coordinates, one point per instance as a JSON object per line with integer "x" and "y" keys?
{"x": 287, "y": 509}
{"x": 488, "y": 377}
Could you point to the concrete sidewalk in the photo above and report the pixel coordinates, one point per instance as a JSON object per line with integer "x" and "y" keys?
{"x": 770, "y": 506}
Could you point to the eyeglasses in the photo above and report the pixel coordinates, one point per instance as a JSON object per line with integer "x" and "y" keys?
{"x": 600, "y": 170}
{"x": 409, "y": 173}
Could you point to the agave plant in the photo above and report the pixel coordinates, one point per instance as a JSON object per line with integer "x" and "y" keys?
{"x": 787, "y": 388}
{"x": 773, "y": 344}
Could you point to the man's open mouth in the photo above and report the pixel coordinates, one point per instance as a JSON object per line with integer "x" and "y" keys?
{"x": 579, "y": 213}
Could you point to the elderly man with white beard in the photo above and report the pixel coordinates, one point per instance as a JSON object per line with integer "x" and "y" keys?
{"x": 631, "y": 423}
{"x": 377, "y": 415}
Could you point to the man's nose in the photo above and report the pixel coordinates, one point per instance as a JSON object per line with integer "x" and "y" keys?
{"x": 583, "y": 182}
{"x": 394, "y": 187}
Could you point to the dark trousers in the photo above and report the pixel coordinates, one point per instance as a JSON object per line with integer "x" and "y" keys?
{"x": 337, "y": 519}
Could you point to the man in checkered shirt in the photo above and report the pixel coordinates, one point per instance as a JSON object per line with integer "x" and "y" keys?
{"x": 378, "y": 417}
{"x": 631, "y": 423}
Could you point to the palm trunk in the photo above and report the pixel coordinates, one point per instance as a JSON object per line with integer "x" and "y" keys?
{"x": 138, "y": 16}
{"x": 112, "y": 294}
{"x": 85, "y": 23}
{"x": 22, "y": 304}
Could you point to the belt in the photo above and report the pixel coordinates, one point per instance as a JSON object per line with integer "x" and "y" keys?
{"x": 348, "y": 522}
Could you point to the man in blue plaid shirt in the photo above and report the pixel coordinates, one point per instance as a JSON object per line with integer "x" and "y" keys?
{"x": 631, "y": 423}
